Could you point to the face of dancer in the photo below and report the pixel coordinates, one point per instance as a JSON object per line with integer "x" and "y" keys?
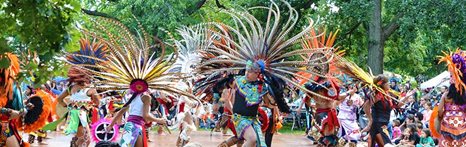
{"x": 386, "y": 86}
{"x": 252, "y": 75}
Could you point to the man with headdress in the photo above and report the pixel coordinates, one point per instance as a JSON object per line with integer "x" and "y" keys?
{"x": 326, "y": 116}
{"x": 244, "y": 99}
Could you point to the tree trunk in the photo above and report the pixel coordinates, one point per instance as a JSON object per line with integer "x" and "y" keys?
{"x": 376, "y": 42}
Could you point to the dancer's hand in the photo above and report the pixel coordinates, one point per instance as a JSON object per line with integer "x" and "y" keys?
{"x": 367, "y": 128}
{"x": 109, "y": 127}
{"x": 14, "y": 114}
{"x": 162, "y": 121}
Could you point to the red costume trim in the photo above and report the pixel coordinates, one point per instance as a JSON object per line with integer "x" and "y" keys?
{"x": 144, "y": 137}
{"x": 331, "y": 121}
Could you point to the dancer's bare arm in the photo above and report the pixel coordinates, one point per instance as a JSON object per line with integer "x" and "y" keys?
{"x": 61, "y": 98}
{"x": 94, "y": 96}
{"x": 117, "y": 117}
{"x": 442, "y": 103}
{"x": 403, "y": 100}
{"x": 146, "y": 111}
{"x": 229, "y": 98}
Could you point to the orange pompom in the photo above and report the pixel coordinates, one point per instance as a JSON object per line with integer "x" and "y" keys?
{"x": 434, "y": 129}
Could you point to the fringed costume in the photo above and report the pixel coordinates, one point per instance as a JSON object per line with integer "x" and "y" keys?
{"x": 379, "y": 101}
{"x": 193, "y": 39}
{"x": 83, "y": 104}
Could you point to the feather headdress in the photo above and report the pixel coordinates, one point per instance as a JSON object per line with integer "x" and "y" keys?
{"x": 95, "y": 49}
{"x": 90, "y": 53}
{"x": 209, "y": 84}
{"x": 266, "y": 45}
{"x": 130, "y": 64}
{"x": 323, "y": 52}
{"x": 7, "y": 77}
{"x": 193, "y": 40}
{"x": 354, "y": 71}
{"x": 36, "y": 117}
{"x": 456, "y": 64}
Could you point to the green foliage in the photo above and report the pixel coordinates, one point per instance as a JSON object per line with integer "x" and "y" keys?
{"x": 42, "y": 26}
{"x": 425, "y": 28}
{"x": 48, "y": 27}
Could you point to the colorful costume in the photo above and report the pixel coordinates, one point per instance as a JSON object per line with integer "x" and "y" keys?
{"x": 326, "y": 117}
{"x": 262, "y": 46}
{"x": 131, "y": 67}
{"x": 452, "y": 126}
{"x": 381, "y": 109}
{"x": 349, "y": 129}
{"x": 449, "y": 127}
{"x": 31, "y": 118}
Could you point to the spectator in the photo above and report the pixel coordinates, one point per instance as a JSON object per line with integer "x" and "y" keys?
{"x": 396, "y": 130}
{"x": 420, "y": 127}
{"x": 411, "y": 107}
{"x": 421, "y": 104}
{"x": 409, "y": 120}
{"x": 418, "y": 117}
{"x": 411, "y": 137}
{"x": 428, "y": 111}
{"x": 426, "y": 139}
{"x": 443, "y": 89}
{"x": 394, "y": 85}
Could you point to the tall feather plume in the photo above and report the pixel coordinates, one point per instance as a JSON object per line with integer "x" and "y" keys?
{"x": 354, "y": 71}
{"x": 7, "y": 77}
{"x": 129, "y": 59}
{"x": 323, "y": 51}
{"x": 253, "y": 41}
{"x": 91, "y": 52}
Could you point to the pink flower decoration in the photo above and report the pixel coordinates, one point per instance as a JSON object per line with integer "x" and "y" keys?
{"x": 139, "y": 86}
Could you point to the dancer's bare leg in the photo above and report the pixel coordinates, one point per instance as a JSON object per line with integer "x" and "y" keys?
{"x": 250, "y": 137}
{"x": 83, "y": 136}
{"x": 139, "y": 142}
{"x": 12, "y": 142}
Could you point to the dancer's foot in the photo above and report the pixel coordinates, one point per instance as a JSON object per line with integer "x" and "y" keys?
{"x": 162, "y": 133}
{"x": 43, "y": 143}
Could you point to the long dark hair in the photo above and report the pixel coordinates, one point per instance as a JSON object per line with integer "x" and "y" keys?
{"x": 456, "y": 96}
{"x": 276, "y": 86}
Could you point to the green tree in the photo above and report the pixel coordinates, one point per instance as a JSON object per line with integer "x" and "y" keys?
{"x": 405, "y": 36}
{"x": 41, "y": 26}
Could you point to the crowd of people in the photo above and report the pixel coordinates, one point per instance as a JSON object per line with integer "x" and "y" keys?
{"x": 407, "y": 124}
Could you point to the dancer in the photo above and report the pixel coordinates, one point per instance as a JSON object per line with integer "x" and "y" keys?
{"x": 260, "y": 52}
{"x": 349, "y": 129}
{"x": 39, "y": 134}
{"x": 324, "y": 83}
{"x": 379, "y": 101}
{"x": 13, "y": 115}
{"x": 83, "y": 97}
{"x": 131, "y": 67}
{"x": 450, "y": 116}
{"x": 193, "y": 39}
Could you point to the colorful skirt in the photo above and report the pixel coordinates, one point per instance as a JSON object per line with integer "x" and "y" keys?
{"x": 349, "y": 130}
{"x": 243, "y": 122}
{"x": 133, "y": 128}
{"x": 76, "y": 118}
{"x": 453, "y": 126}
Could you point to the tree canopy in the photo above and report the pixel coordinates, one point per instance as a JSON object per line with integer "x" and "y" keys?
{"x": 409, "y": 34}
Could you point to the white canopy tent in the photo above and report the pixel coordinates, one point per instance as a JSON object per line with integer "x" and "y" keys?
{"x": 442, "y": 79}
